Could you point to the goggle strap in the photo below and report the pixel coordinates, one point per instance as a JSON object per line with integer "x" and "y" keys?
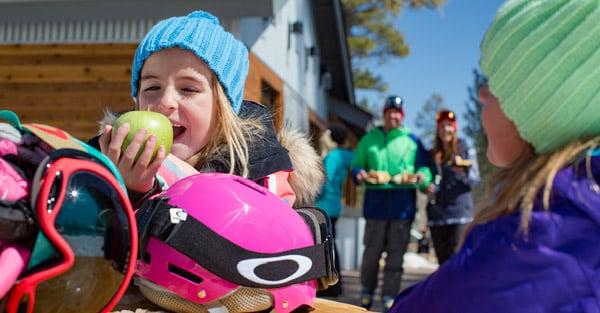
{"x": 232, "y": 260}
{"x": 145, "y": 221}
{"x": 321, "y": 227}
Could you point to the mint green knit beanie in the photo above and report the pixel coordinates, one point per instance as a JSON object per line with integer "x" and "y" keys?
{"x": 542, "y": 60}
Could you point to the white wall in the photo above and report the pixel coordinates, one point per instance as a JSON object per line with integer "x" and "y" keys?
{"x": 285, "y": 53}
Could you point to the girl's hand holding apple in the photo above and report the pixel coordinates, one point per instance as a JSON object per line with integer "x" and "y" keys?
{"x": 138, "y": 144}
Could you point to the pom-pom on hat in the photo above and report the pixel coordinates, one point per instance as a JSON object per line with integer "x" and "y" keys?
{"x": 542, "y": 59}
{"x": 200, "y": 33}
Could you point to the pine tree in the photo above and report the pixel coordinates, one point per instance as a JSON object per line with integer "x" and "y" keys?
{"x": 425, "y": 121}
{"x": 474, "y": 130}
{"x": 372, "y": 35}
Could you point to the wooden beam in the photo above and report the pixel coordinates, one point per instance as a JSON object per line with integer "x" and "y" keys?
{"x": 68, "y": 49}
{"x": 64, "y": 73}
{"x": 67, "y": 87}
{"x": 65, "y": 59}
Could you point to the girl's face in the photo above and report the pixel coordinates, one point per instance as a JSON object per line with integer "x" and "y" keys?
{"x": 505, "y": 146}
{"x": 178, "y": 84}
{"x": 446, "y": 131}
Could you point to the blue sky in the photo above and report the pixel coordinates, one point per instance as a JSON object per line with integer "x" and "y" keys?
{"x": 444, "y": 51}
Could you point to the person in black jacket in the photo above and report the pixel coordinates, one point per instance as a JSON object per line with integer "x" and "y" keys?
{"x": 193, "y": 71}
{"x": 451, "y": 205}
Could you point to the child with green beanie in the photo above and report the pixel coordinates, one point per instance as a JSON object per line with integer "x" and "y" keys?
{"x": 533, "y": 247}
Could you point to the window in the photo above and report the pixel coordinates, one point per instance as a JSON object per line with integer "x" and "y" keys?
{"x": 269, "y": 97}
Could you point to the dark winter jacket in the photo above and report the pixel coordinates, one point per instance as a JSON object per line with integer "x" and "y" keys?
{"x": 266, "y": 154}
{"x": 453, "y": 200}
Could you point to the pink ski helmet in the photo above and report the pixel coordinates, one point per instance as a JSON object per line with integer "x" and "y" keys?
{"x": 218, "y": 240}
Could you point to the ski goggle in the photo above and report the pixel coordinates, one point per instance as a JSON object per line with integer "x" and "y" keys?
{"x": 85, "y": 252}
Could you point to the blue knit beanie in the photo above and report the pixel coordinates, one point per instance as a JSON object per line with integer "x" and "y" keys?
{"x": 200, "y": 33}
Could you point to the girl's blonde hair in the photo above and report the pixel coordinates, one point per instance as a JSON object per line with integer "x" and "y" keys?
{"x": 230, "y": 131}
{"x": 517, "y": 187}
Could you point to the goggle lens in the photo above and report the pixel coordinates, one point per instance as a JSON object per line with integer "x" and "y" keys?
{"x": 94, "y": 224}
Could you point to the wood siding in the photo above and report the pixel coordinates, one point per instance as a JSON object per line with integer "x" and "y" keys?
{"x": 67, "y": 86}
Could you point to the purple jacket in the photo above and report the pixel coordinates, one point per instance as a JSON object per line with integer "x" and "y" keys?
{"x": 556, "y": 268}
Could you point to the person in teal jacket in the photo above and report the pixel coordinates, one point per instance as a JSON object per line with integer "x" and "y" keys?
{"x": 337, "y": 165}
{"x": 393, "y": 163}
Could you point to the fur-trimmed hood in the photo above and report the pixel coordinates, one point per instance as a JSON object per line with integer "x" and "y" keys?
{"x": 307, "y": 176}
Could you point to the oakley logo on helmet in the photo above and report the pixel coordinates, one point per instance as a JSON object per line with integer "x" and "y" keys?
{"x": 247, "y": 268}
{"x": 177, "y": 215}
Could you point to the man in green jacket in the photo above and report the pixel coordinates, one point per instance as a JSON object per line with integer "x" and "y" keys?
{"x": 393, "y": 163}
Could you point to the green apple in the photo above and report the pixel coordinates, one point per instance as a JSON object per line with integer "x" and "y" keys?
{"x": 155, "y": 124}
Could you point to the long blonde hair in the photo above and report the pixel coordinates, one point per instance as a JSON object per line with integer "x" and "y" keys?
{"x": 517, "y": 187}
{"x": 231, "y": 131}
